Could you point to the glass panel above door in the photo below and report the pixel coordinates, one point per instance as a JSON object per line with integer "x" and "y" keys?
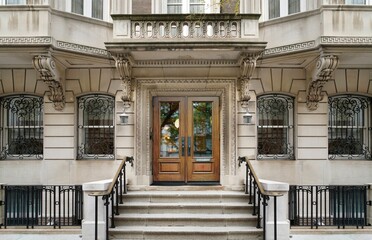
{"x": 202, "y": 130}
{"x": 169, "y": 129}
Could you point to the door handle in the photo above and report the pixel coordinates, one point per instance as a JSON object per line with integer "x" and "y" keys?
{"x": 188, "y": 146}
{"x": 183, "y": 146}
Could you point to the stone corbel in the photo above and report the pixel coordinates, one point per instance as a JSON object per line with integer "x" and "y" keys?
{"x": 124, "y": 67}
{"x": 247, "y": 67}
{"x": 46, "y": 66}
{"x": 324, "y": 68}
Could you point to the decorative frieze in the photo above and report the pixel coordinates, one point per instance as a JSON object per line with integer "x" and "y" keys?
{"x": 82, "y": 49}
{"x": 25, "y": 40}
{"x": 346, "y": 40}
{"x": 190, "y": 62}
{"x": 325, "y": 66}
{"x": 289, "y": 48}
{"x": 46, "y": 66}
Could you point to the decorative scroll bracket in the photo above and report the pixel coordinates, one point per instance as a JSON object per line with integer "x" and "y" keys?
{"x": 247, "y": 67}
{"x": 324, "y": 68}
{"x": 46, "y": 66}
{"x": 124, "y": 67}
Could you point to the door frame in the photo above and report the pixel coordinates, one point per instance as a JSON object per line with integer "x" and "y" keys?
{"x": 146, "y": 88}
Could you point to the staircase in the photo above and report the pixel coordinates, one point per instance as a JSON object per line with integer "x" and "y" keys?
{"x": 209, "y": 214}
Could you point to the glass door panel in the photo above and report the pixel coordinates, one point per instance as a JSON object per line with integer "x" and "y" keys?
{"x": 169, "y": 129}
{"x": 202, "y": 130}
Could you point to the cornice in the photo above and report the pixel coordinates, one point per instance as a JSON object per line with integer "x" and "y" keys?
{"x": 191, "y": 62}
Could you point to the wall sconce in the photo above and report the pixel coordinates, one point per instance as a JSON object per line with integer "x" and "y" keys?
{"x": 247, "y": 118}
{"x": 124, "y": 118}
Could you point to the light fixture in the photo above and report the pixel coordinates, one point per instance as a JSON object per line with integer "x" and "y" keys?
{"x": 247, "y": 118}
{"x": 124, "y": 118}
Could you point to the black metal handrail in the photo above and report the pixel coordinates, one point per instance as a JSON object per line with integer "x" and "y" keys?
{"x": 113, "y": 194}
{"x": 319, "y": 205}
{"x": 257, "y": 194}
{"x": 42, "y": 205}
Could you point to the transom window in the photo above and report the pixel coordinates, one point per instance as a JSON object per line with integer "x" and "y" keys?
{"x": 96, "y": 126}
{"x": 275, "y": 127}
{"x": 348, "y": 132}
{"x": 22, "y": 132}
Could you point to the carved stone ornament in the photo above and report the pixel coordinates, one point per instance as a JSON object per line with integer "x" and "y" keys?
{"x": 49, "y": 73}
{"x": 124, "y": 68}
{"x": 247, "y": 67}
{"x": 324, "y": 68}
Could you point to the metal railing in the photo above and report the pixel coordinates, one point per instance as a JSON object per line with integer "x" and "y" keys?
{"x": 31, "y": 206}
{"x": 113, "y": 195}
{"x": 258, "y": 196}
{"x": 317, "y": 206}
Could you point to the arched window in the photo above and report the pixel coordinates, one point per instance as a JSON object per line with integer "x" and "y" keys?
{"x": 96, "y": 126}
{"x": 22, "y": 121}
{"x": 275, "y": 126}
{"x": 348, "y": 131}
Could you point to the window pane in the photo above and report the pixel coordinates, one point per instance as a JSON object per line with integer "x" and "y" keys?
{"x": 97, "y": 9}
{"x": 202, "y": 128}
{"x": 348, "y": 127}
{"x": 174, "y": 6}
{"x": 197, "y": 6}
{"x": 15, "y": 2}
{"x": 275, "y": 126}
{"x": 361, "y": 2}
{"x": 169, "y": 129}
{"x": 23, "y": 127}
{"x": 293, "y": 6}
{"x": 77, "y": 6}
{"x": 96, "y": 126}
{"x": 274, "y": 9}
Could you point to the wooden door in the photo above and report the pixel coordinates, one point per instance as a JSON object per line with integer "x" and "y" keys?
{"x": 186, "y": 139}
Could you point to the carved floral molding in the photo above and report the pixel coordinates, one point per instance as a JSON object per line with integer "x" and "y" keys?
{"x": 46, "y": 66}
{"x": 324, "y": 68}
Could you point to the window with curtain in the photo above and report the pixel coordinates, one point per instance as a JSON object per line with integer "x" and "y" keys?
{"x": 274, "y": 9}
{"x": 96, "y": 126}
{"x": 77, "y": 6}
{"x": 174, "y": 6}
{"x": 197, "y": 6}
{"x": 22, "y": 127}
{"x": 348, "y": 127}
{"x": 15, "y": 2}
{"x": 294, "y": 6}
{"x": 275, "y": 127}
{"x": 97, "y": 9}
{"x": 360, "y": 2}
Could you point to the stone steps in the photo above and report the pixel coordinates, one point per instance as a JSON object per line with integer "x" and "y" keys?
{"x": 197, "y": 215}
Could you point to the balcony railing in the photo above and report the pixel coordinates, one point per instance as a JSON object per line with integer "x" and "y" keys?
{"x": 179, "y": 26}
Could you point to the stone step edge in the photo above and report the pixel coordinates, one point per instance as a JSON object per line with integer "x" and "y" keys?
{"x": 177, "y": 216}
{"x": 186, "y": 229}
{"x": 177, "y": 204}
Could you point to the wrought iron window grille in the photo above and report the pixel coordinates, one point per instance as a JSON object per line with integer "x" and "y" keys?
{"x": 275, "y": 127}
{"x": 22, "y": 127}
{"x": 96, "y": 127}
{"x": 349, "y": 129}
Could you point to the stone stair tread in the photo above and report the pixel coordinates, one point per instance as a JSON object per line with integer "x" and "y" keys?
{"x": 186, "y": 204}
{"x": 187, "y": 193}
{"x": 185, "y": 229}
{"x": 183, "y": 216}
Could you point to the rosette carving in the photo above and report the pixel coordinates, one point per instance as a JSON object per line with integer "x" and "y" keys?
{"x": 46, "y": 66}
{"x": 325, "y": 66}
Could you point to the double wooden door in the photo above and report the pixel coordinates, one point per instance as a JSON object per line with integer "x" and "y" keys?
{"x": 186, "y": 145}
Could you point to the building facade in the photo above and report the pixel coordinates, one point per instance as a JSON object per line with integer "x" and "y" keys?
{"x": 186, "y": 87}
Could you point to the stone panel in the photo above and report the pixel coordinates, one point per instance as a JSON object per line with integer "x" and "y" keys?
{"x": 352, "y": 76}
{"x": 59, "y": 153}
{"x": 340, "y": 79}
{"x": 7, "y": 80}
{"x": 276, "y": 75}
{"x": 141, "y": 7}
{"x": 59, "y": 142}
{"x": 59, "y": 131}
{"x": 312, "y": 119}
{"x": 56, "y": 119}
{"x": 247, "y": 142}
{"x": 312, "y": 154}
{"x": 312, "y": 142}
{"x": 364, "y": 80}
{"x": 312, "y": 131}
{"x": 31, "y": 78}
{"x": 19, "y": 76}
{"x": 95, "y": 79}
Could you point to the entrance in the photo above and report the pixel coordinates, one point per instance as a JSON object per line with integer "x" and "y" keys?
{"x": 186, "y": 145}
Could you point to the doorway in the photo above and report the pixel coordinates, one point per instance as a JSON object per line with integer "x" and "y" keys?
{"x": 186, "y": 139}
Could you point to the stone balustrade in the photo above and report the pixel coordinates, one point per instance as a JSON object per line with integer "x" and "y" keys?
{"x": 188, "y": 27}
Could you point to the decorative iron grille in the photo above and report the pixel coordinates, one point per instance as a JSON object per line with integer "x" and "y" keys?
{"x": 96, "y": 127}
{"x": 275, "y": 127}
{"x": 22, "y": 135}
{"x": 348, "y": 131}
